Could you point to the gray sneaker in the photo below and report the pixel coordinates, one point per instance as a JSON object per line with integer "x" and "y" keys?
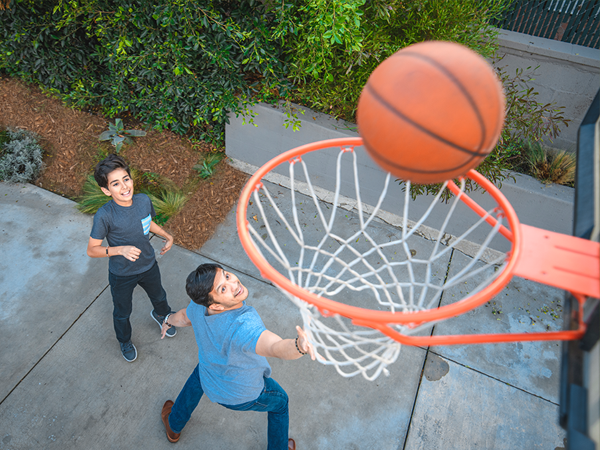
{"x": 129, "y": 351}
{"x": 159, "y": 320}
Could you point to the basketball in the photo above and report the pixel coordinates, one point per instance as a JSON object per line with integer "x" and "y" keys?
{"x": 431, "y": 112}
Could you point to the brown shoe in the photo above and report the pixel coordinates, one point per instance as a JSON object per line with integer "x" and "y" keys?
{"x": 291, "y": 444}
{"x": 172, "y": 437}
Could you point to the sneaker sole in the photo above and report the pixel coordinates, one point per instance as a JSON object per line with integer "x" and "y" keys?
{"x": 160, "y": 325}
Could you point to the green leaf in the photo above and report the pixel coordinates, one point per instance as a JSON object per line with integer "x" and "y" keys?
{"x": 106, "y": 135}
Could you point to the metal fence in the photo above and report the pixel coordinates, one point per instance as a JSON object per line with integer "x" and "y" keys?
{"x": 573, "y": 21}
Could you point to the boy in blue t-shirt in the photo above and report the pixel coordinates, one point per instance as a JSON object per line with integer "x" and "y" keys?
{"x": 233, "y": 346}
{"x": 126, "y": 223}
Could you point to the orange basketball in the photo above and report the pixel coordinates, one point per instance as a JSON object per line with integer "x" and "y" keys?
{"x": 431, "y": 112}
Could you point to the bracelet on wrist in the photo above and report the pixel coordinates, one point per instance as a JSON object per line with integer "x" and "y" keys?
{"x": 298, "y": 348}
{"x": 107, "y": 252}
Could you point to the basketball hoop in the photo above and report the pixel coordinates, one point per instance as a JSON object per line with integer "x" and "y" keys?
{"x": 361, "y": 298}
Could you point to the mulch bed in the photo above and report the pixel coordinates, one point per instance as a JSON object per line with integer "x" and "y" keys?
{"x": 207, "y": 207}
{"x": 70, "y": 142}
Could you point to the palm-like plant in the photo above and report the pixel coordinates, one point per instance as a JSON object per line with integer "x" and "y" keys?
{"x": 118, "y": 135}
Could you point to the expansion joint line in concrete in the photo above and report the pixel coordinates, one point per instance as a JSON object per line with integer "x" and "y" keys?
{"x": 447, "y": 274}
{"x": 53, "y": 345}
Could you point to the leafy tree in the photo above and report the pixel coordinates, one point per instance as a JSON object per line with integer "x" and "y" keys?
{"x": 334, "y": 45}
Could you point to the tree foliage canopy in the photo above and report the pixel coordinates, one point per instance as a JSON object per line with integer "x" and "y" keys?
{"x": 179, "y": 64}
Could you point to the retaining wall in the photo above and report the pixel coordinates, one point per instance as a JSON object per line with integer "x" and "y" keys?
{"x": 568, "y": 75}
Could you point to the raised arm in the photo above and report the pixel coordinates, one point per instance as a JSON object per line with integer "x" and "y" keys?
{"x": 96, "y": 250}
{"x": 271, "y": 345}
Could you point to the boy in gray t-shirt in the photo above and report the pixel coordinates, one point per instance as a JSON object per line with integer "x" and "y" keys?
{"x": 126, "y": 222}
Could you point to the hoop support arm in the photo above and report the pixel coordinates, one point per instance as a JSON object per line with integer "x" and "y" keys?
{"x": 560, "y": 260}
{"x": 459, "y": 339}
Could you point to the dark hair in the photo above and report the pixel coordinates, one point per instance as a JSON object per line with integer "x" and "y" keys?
{"x": 107, "y": 165}
{"x": 199, "y": 284}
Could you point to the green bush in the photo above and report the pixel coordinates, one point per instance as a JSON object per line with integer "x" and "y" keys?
{"x": 177, "y": 64}
{"x": 185, "y": 64}
{"x": 334, "y": 45}
{"x": 21, "y": 156}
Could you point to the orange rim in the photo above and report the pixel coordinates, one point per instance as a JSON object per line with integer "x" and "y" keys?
{"x": 363, "y": 316}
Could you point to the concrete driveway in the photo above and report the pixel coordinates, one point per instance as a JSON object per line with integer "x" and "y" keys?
{"x": 64, "y": 383}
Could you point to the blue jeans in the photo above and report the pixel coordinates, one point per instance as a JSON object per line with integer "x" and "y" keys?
{"x": 272, "y": 399}
{"x": 122, "y": 288}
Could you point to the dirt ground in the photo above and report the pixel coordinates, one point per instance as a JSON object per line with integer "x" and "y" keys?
{"x": 71, "y": 149}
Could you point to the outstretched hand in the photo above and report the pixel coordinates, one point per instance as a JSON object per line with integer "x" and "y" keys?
{"x": 304, "y": 343}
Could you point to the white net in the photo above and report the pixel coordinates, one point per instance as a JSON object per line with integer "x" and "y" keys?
{"x": 353, "y": 257}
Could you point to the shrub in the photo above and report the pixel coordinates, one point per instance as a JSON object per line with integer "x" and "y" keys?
{"x": 333, "y": 46}
{"x": 526, "y": 118}
{"x": 175, "y": 64}
{"x": 4, "y": 138}
{"x": 21, "y": 159}
{"x": 549, "y": 166}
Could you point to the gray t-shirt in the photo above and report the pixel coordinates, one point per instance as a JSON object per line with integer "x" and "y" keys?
{"x": 127, "y": 225}
{"x": 231, "y": 372}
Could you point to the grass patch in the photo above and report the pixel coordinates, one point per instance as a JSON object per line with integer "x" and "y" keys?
{"x": 93, "y": 198}
{"x": 550, "y": 166}
{"x": 167, "y": 204}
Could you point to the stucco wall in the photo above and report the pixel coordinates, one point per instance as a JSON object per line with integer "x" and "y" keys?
{"x": 568, "y": 75}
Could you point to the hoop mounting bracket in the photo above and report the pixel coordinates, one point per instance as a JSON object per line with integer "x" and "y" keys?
{"x": 566, "y": 262}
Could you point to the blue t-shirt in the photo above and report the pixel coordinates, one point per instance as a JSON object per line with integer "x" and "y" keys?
{"x": 127, "y": 225}
{"x": 231, "y": 372}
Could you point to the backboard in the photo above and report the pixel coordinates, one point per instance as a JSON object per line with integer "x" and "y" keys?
{"x": 580, "y": 367}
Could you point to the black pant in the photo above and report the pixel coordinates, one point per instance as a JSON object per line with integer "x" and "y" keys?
{"x": 122, "y": 288}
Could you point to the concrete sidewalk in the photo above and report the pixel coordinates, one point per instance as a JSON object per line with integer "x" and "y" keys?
{"x": 64, "y": 383}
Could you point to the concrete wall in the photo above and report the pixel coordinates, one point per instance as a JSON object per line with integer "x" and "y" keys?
{"x": 548, "y": 207}
{"x": 569, "y": 75}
